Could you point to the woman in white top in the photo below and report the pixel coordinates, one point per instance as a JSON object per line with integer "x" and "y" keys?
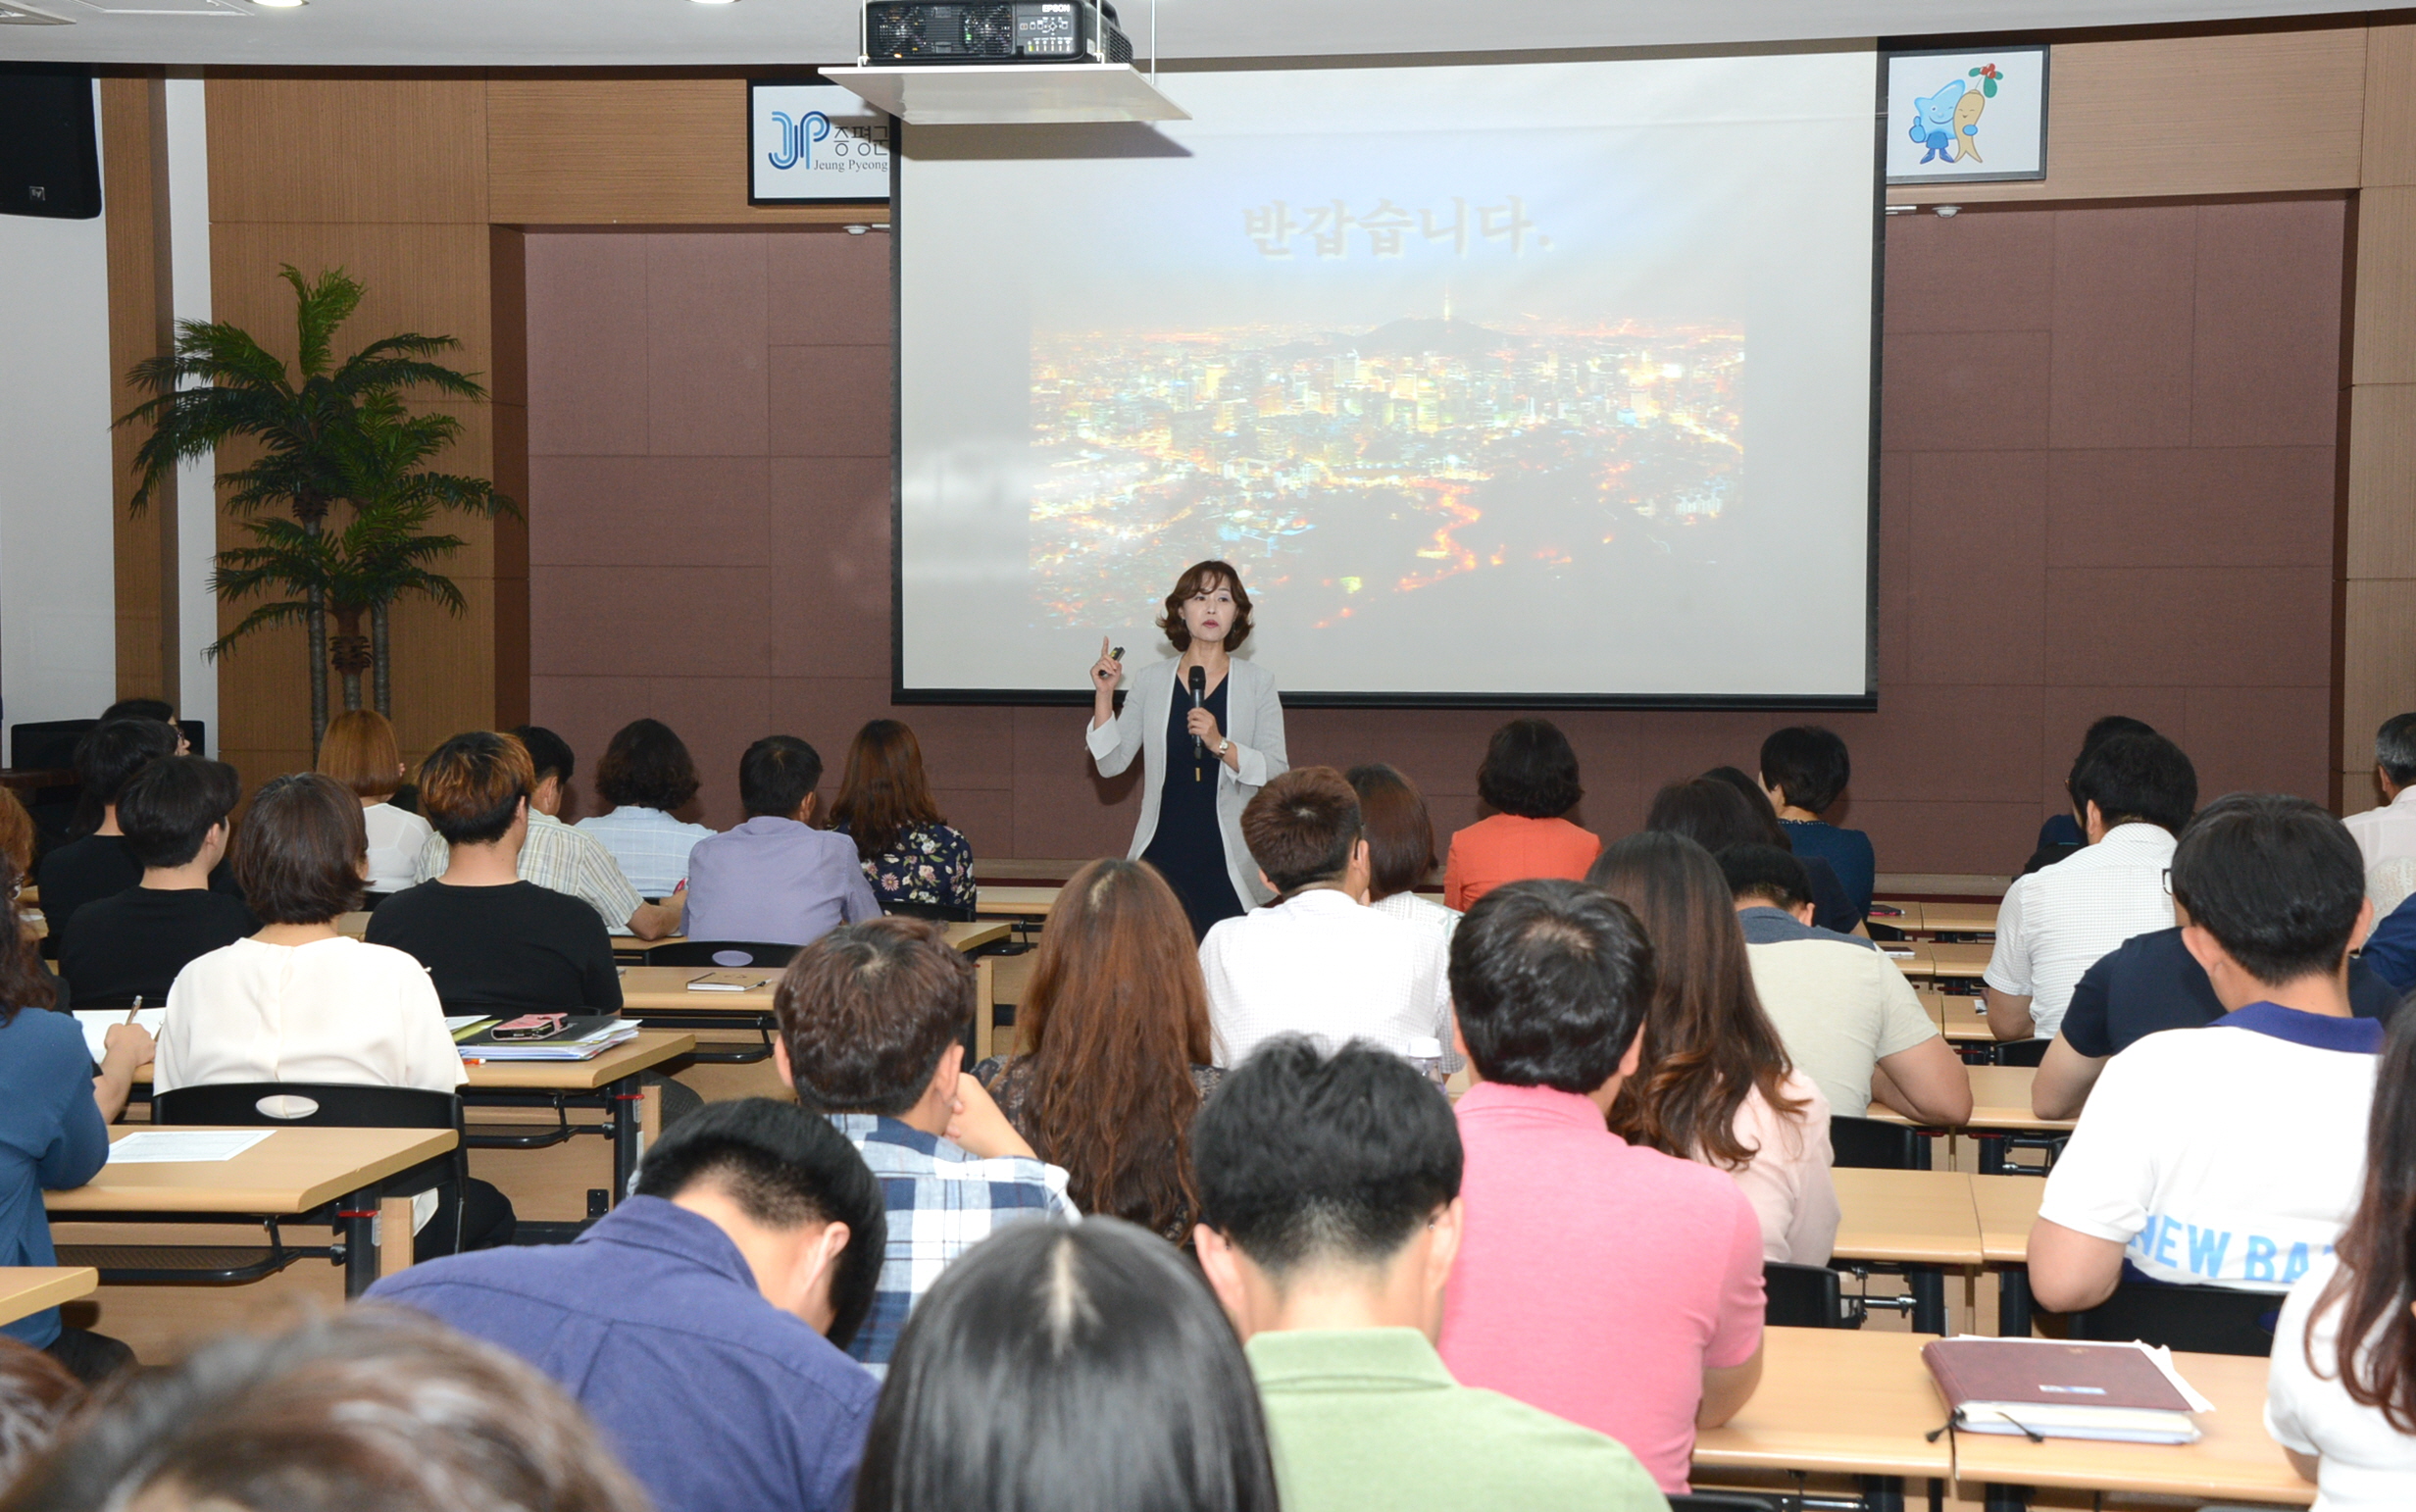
{"x": 358, "y": 751}
{"x": 1400, "y": 840}
{"x": 646, "y": 775}
{"x": 2346, "y": 1415}
{"x": 1714, "y": 1084}
{"x": 299, "y": 1001}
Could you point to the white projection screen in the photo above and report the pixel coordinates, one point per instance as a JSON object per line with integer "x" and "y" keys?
{"x": 1507, "y": 383}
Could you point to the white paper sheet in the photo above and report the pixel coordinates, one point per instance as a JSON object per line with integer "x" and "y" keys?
{"x": 163, "y": 1147}
{"x": 95, "y": 1023}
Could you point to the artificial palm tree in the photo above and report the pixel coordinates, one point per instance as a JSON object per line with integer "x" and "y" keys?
{"x": 316, "y": 424}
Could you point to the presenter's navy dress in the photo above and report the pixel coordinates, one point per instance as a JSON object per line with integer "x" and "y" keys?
{"x": 1189, "y": 846}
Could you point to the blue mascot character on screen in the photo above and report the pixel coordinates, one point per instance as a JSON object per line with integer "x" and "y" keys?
{"x": 1934, "y": 124}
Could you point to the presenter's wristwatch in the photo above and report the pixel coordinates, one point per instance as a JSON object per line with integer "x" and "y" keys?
{"x": 1224, "y": 744}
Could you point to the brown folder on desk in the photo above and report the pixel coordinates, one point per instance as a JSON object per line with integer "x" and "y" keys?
{"x": 2050, "y": 1388}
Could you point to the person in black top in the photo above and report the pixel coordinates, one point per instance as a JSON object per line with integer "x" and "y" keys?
{"x": 490, "y": 940}
{"x": 96, "y": 863}
{"x": 172, "y": 815}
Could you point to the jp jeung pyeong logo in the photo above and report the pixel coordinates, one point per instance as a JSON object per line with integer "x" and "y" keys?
{"x": 798, "y": 134}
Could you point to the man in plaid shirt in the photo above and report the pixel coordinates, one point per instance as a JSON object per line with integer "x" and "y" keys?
{"x": 870, "y": 1015}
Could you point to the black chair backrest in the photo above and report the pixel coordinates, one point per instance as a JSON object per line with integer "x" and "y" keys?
{"x": 340, "y": 1105}
{"x": 1876, "y": 1144}
{"x": 2203, "y": 1320}
{"x": 1720, "y": 1501}
{"x": 2022, "y": 1052}
{"x": 938, "y": 913}
{"x": 1801, "y": 1296}
{"x": 722, "y": 952}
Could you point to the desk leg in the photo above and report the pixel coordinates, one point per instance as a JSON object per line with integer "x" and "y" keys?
{"x": 358, "y": 1213}
{"x": 2013, "y": 1302}
{"x": 394, "y": 1236}
{"x": 2007, "y": 1498}
{"x": 1928, "y": 1285}
{"x": 984, "y": 1008}
{"x": 1882, "y": 1493}
{"x": 1992, "y": 1154}
{"x": 629, "y": 1120}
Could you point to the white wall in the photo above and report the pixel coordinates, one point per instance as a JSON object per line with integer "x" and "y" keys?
{"x": 58, "y": 597}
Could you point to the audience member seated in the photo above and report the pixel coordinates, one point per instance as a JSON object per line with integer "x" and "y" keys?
{"x": 2150, "y": 983}
{"x": 360, "y": 751}
{"x": 1317, "y": 960}
{"x": 870, "y": 1016}
{"x": 1613, "y": 1286}
{"x": 776, "y": 880}
{"x": 99, "y": 865}
{"x": 558, "y": 856}
{"x": 2061, "y": 835}
{"x": 18, "y": 836}
{"x": 2228, "y": 1155}
{"x": 489, "y": 938}
{"x": 1713, "y": 1082}
{"x": 2134, "y": 793}
{"x": 1831, "y": 909}
{"x": 1805, "y": 770}
{"x": 647, "y": 777}
{"x": 300, "y": 1002}
{"x": 1331, "y": 1215}
{"x": 37, "y": 1396}
{"x": 2388, "y": 833}
{"x": 1847, "y": 1015}
{"x": 2392, "y": 951}
{"x": 1076, "y": 1367}
{"x": 1401, "y": 847}
{"x": 1529, "y": 780}
{"x": 908, "y": 852}
{"x": 702, "y": 1323}
{"x": 369, "y": 1410}
{"x": 172, "y": 815}
{"x": 1115, "y": 1021}
{"x": 54, "y": 1132}
{"x": 2340, "y": 1398}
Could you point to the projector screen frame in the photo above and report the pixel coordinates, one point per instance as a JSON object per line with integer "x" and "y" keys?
{"x": 1075, "y": 695}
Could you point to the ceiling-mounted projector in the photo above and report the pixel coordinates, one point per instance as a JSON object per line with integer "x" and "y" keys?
{"x": 1002, "y": 31}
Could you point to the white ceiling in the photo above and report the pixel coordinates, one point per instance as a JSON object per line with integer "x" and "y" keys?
{"x": 474, "y": 33}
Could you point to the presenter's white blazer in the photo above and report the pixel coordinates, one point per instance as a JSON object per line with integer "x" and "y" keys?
{"x": 1253, "y": 721}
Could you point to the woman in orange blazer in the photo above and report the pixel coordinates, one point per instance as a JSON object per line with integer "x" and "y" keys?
{"x": 1530, "y": 779}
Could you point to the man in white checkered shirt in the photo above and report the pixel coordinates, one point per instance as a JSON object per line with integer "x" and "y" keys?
{"x": 559, "y": 857}
{"x": 870, "y": 1015}
{"x": 2136, "y": 792}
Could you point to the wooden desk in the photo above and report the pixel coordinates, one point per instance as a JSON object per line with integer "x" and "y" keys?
{"x": 352, "y": 926}
{"x": 2006, "y": 1207}
{"x": 1911, "y": 957}
{"x": 1958, "y": 918}
{"x": 1907, "y": 915}
{"x": 2000, "y": 1103}
{"x": 1960, "y": 1019}
{"x": 2236, "y": 1460}
{"x": 632, "y": 1112}
{"x": 1921, "y": 1220}
{"x": 291, "y": 1172}
{"x": 1966, "y": 960}
{"x": 25, "y": 1289}
{"x": 1837, "y": 1400}
{"x": 1016, "y": 903}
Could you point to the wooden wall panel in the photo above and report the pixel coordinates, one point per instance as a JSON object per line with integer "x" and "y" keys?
{"x": 2382, "y": 487}
{"x": 429, "y": 278}
{"x": 2386, "y": 309}
{"x": 641, "y": 151}
{"x": 301, "y": 147}
{"x": 139, "y": 327}
{"x": 2259, "y": 113}
{"x": 2390, "y": 135}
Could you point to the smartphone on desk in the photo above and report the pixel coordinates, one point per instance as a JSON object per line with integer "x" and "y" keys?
{"x": 530, "y": 1026}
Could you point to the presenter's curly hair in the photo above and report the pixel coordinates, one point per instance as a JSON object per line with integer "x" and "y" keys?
{"x": 1200, "y": 577}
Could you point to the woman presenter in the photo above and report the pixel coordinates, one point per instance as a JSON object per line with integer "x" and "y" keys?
{"x": 1213, "y": 729}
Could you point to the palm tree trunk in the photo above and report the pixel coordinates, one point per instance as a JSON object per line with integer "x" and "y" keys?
{"x": 349, "y": 651}
{"x": 381, "y": 648}
{"x": 313, "y": 522}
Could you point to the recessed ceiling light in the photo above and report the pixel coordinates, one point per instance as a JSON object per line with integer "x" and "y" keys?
{"x": 281, "y": 4}
{"x": 712, "y": 2}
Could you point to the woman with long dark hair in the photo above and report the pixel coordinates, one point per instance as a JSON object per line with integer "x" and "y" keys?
{"x": 1084, "y": 1368}
{"x": 910, "y": 854}
{"x": 1205, "y": 759}
{"x": 1115, "y": 1021}
{"x": 1714, "y": 1084}
{"x": 2342, "y": 1396}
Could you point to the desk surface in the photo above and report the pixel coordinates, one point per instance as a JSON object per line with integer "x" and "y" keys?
{"x": 2235, "y": 1461}
{"x": 1016, "y": 903}
{"x": 1906, "y": 1217}
{"x": 2006, "y": 1207}
{"x": 25, "y": 1289}
{"x": 2000, "y": 1103}
{"x": 665, "y": 988}
{"x": 652, "y": 1047}
{"x": 1959, "y": 960}
{"x": 1957, "y": 1016}
{"x": 1836, "y": 1399}
{"x": 292, "y": 1171}
{"x": 1959, "y": 918}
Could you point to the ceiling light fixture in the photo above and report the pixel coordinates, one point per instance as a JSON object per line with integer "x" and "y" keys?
{"x": 281, "y": 4}
{"x": 712, "y": 2}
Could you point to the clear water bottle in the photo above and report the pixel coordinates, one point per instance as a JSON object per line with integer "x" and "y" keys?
{"x": 1426, "y": 1055}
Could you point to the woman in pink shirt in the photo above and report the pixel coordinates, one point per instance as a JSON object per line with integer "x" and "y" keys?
{"x": 1714, "y": 1084}
{"x": 1529, "y": 780}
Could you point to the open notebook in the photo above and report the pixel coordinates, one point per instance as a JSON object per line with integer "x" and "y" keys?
{"x": 2065, "y": 1388}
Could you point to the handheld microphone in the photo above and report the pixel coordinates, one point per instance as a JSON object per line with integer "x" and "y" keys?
{"x": 1199, "y": 695}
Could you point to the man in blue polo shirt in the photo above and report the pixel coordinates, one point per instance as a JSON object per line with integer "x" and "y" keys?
{"x": 702, "y": 1322}
{"x": 2229, "y": 1155}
